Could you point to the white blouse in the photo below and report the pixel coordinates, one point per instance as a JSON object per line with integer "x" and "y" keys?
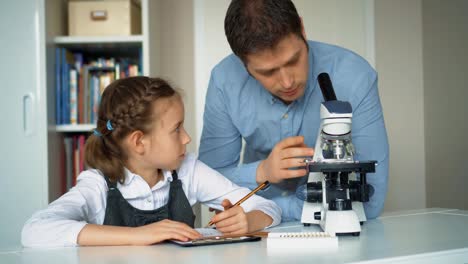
{"x": 60, "y": 223}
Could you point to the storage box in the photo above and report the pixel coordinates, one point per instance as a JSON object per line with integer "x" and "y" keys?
{"x": 104, "y": 18}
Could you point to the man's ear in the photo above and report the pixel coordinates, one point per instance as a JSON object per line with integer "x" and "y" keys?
{"x": 135, "y": 142}
{"x": 303, "y": 29}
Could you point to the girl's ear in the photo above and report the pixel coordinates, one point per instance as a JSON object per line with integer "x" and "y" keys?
{"x": 135, "y": 142}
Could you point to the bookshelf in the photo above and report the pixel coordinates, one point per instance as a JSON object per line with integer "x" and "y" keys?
{"x": 143, "y": 49}
{"x": 31, "y": 139}
{"x": 116, "y": 40}
{"x": 74, "y": 128}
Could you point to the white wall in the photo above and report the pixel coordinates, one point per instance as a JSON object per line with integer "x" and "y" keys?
{"x": 177, "y": 56}
{"x": 445, "y": 33}
{"x": 398, "y": 33}
{"x": 341, "y": 22}
{"x": 210, "y": 47}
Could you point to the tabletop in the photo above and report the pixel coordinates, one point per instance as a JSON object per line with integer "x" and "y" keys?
{"x": 433, "y": 235}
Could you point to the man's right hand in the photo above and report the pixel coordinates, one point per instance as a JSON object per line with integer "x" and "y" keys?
{"x": 288, "y": 153}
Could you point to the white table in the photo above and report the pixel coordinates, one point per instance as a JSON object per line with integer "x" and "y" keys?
{"x": 420, "y": 236}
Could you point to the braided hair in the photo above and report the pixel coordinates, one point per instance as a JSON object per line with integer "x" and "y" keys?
{"x": 126, "y": 106}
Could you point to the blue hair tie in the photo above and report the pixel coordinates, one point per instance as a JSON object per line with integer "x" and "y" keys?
{"x": 109, "y": 125}
{"x": 97, "y": 133}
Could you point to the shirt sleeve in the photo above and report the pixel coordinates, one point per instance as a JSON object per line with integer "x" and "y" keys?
{"x": 211, "y": 188}
{"x": 221, "y": 142}
{"x": 60, "y": 223}
{"x": 371, "y": 143}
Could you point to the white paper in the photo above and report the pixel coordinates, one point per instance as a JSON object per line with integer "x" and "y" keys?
{"x": 207, "y": 232}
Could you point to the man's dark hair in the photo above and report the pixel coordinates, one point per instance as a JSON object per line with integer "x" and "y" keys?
{"x": 256, "y": 25}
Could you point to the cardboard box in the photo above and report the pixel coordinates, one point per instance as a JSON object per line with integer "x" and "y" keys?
{"x": 104, "y": 18}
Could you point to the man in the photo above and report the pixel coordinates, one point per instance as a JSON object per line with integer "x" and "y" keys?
{"x": 267, "y": 94}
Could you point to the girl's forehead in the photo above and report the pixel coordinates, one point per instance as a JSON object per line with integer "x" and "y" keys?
{"x": 168, "y": 110}
{"x": 164, "y": 105}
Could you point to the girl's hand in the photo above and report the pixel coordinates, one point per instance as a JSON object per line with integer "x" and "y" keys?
{"x": 163, "y": 230}
{"x": 233, "y": 221}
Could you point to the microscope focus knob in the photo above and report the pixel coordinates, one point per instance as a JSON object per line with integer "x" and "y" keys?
{"x": 310, "y": 192}
{"x": 318, "y": 215}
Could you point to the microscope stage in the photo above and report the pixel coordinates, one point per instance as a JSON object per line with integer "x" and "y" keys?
{"x": 356, "y": 166}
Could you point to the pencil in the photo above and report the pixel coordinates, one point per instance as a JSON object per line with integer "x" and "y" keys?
{"x": 259, "y": 187}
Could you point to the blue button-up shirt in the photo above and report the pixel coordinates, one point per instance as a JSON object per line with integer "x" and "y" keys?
{"x": 239, "y": 107}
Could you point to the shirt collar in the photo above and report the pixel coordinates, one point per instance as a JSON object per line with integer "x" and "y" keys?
{"x": 272, "y": 98}
{"x": 129, "y": 176}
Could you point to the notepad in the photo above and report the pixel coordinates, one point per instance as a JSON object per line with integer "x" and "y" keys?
{"x": 302, "y": 241}
{"x": 207, "y": 232}
{"x": 211, "y": 236}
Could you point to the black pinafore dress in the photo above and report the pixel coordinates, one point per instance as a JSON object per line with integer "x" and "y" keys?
{"x": 119, "y": 212}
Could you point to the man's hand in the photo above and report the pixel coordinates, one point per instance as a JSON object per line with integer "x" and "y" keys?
{"x": 288, "y": 153}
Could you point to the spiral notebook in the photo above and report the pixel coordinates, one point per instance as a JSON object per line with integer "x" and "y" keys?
{"x": 302, "y": 241}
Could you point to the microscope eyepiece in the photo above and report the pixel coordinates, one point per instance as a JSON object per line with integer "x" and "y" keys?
{"x": 326, "y": 86}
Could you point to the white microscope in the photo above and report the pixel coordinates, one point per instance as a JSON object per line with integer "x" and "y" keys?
{"x": 333, "y": 196}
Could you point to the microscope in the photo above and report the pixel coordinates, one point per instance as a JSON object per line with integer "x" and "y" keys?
{"x": 334, "y": 195}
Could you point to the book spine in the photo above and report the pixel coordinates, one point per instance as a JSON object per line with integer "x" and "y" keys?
{"x": 58, "y": 91}
{"x": 68, "y": 142}
{"x": 73, "y": 97}
{"x": 80, "y": 96}
{"x": 76, "y": 159}
{"x": 64, "y": 113}
{"x": 82, "y": 141}
{"x": 96, "y": 98}
{"x": 86, "y": 95}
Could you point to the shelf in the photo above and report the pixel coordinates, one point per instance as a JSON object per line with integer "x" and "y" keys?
{"x": 73, "y": 40}
{"x": 103, "y": 45}
{"x": 75, "y": 128}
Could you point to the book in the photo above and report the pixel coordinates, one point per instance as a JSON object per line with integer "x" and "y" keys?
{"x": 68, "y": 145}
{"x": 301, "y": 241}
{"x": 66, "y": 64}
{"x": 73, "y": 86}
{"x": 58, "y": 86}
{"x": 81, "y": 143}
{"x": 80, "y": 101}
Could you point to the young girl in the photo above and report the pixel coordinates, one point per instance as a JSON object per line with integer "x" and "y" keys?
{"x": 133, "y": 194}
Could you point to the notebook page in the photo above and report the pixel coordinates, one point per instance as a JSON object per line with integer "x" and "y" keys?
{"x": 208, "y": 232}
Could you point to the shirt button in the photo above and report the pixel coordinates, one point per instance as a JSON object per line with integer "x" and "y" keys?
{"x": 285, "y": 116}
{"x": 148, "y": 200}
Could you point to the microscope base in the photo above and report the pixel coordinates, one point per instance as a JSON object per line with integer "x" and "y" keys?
{"x": 308, "y": 213}
{"x": 341, "y": 222}
{"x": 358, "y": 208}
{"x": 336, "y": 222}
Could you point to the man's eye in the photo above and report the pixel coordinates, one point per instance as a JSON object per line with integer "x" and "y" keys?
{"x": 292, "y": 63}
{"x": 268, "y": 73}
